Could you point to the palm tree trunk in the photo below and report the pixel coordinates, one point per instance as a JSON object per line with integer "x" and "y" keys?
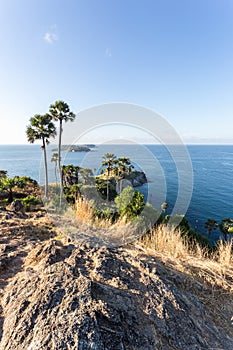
{"x": 46, "y": 169}
{"x": 107, "y": 188}
{"x": 59, "y": 161}
{"x": 59, "y": 147}
{"x": 55, "y": 170}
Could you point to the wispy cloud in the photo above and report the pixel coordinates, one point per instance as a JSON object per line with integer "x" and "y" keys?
{"x": 108, "y": 52}
{"x": 50, "y": 37}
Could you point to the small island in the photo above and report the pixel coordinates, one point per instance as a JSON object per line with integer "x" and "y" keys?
{"x": 74, "y": 148}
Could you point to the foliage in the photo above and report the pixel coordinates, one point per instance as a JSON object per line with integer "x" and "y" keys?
{"x": 109, "y": 160}
{"x": 178, "y": 221}
{"x": 41, "y": 128}
{"x": 60, "y": 111}
{"x": 30, "y": 201}
{"x": 3, "y": 173}
{"x": 103, "y": 186}
{"x": 110, "y": 214}
{"x": 130, "y": 203}
{"x": 124, "y": 167}
{"x": 56, "y": 203}
{"x": 226, "y": 226}
{"x": 71, "y": 193}
{"x": 28, "y": 180}
{"x": 70, "y": 174}
{"x": 9, "y": 184}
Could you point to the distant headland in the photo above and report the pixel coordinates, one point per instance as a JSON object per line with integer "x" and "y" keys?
{"x": 75, "y": 148}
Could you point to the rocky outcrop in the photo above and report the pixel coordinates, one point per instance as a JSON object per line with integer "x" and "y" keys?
{"x": 78, "y": 296}
{"x": 139, "y": 178}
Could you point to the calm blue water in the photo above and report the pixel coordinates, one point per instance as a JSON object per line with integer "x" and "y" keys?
{"x": 212, "y": 171}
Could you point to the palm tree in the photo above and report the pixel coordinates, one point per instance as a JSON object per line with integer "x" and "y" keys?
{"x": 41, "y": 128}
{"x": 70, "y": 174}
{"x": 60, "y": 111}
{"x": 54, "y": 159}
{"x": 109, "y": 160}
{"x": 211, "y": 225}
{"x": 124, "y": 166}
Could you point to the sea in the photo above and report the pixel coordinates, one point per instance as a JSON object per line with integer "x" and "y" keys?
{"x": 195, "y": 180}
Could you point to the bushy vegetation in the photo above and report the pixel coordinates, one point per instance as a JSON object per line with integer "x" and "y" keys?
{"x": 130, "y": 203}
{"x": 11, "y": 187}
{"x": 172, "y": 243}
{"x": 30, "y": 202}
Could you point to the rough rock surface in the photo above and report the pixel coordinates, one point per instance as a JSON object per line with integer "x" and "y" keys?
{"x": 17, "y": 206}
{"x": 139, "y": 178}
{"x": 82, "y": 297}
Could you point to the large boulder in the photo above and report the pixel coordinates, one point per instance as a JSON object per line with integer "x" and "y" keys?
{"x": 82, "y": 298}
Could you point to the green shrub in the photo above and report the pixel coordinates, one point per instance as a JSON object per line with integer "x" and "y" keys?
{"x": 71, "y": 193}
{"x": 130, "y": 203}
{"x": 31, "y": 201}
{"x": 109, "y": 214}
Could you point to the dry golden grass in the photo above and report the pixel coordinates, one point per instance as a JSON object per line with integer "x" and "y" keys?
{"x": 166, "y": 241}
{"x": 224, "y": 253}
{"x": 191, "y": 269}
{"x": 214, "y": 269}
{"x": 83, "y": 211}
{"x": 85, "y": 214}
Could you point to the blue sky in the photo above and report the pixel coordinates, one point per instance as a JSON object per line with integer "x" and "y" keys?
{"x": 172, "y": 56}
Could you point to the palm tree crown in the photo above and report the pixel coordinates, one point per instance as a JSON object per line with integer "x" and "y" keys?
{"x": 60, "y": 111}
{"x": 41, "y": 128}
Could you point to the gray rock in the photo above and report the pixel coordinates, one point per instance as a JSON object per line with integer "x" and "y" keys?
{"x": 122, "y": 184}
{"x": 139, "y": 179}
{"x": 89, "y": 298}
